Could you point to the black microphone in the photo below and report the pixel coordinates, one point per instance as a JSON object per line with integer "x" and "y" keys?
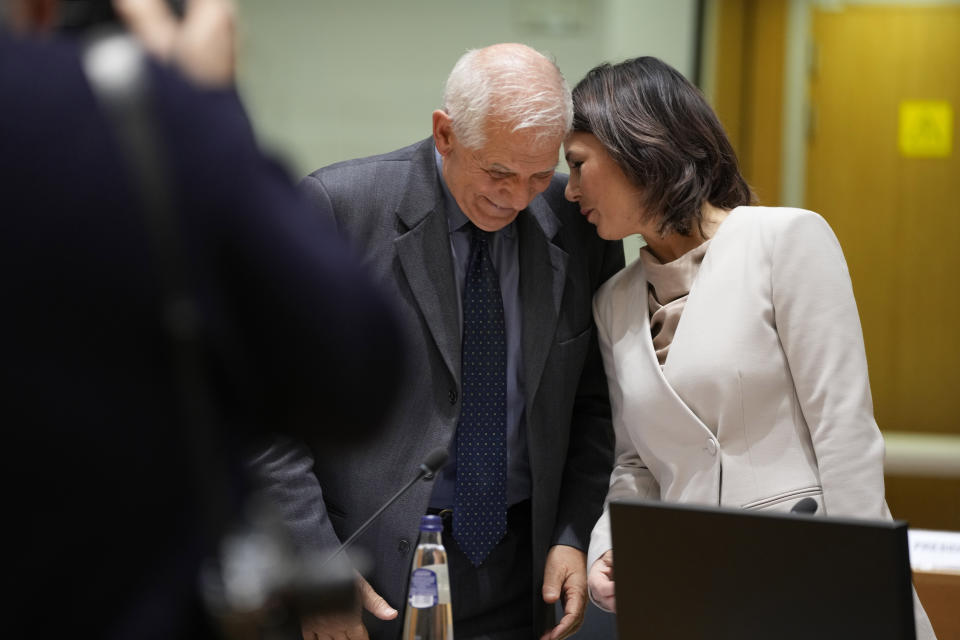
{"x": 806, "y": 506}
{"x": 427, "y": 470}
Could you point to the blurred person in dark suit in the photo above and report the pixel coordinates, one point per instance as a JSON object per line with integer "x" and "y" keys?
{"x": 107, "y": 514}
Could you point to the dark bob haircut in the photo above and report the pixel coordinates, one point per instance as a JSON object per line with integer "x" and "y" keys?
{"x": 660, "y": 130}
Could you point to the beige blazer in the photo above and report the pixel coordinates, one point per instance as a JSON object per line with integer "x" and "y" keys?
{"x": 764, "y": 398}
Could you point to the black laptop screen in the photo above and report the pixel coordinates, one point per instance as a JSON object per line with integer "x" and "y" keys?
{"x": 684, "y": 571}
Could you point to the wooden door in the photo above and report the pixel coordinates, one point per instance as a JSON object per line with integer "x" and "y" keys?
{"x": 747, "y": 95}
{"x": 897, "y": 216}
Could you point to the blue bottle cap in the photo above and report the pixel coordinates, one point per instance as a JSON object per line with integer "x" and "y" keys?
{"x": 431, "y": 523}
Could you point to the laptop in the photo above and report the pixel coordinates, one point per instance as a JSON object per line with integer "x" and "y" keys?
{"x": 685, "y": 571}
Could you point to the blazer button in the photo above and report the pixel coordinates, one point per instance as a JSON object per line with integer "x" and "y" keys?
{"x": 712, "y": 447}
{"x": 404, "y": 545}
{"x": 452, "y": 395}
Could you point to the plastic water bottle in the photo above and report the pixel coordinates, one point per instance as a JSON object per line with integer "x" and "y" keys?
{"x": 429, "y": 614}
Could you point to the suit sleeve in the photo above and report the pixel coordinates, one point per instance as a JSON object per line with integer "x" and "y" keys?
{"x": 590, "y": 449}
{"x": 283, "y": 470}
{"x": 819, "y": 327}
{"x": 630, "y": 478}
{"x": 343, "y": 371}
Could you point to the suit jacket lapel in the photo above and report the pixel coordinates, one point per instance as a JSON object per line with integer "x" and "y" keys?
{"x": 543, "y": 272}
{"x": 649, "y": 372}
{"x": 424, "y": 252}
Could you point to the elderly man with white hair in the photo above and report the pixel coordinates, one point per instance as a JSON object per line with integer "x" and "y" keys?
{"x": 494, "y": 273}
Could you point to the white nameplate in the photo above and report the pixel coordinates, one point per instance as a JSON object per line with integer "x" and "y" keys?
{"x": 934, "y": 550}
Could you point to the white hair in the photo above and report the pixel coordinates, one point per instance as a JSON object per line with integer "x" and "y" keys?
{"x": 511, "y": 85}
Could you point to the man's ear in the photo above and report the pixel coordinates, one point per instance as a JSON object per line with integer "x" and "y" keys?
{"x": 442, "y": 131}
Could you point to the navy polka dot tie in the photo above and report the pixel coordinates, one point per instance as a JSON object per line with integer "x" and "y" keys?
{"x": 480, "y": 502}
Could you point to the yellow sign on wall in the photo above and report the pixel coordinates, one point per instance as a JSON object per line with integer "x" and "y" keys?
{"x": 926, "y": 128}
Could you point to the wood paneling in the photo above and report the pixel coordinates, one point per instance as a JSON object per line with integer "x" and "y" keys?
{"x": 728, "y": 73}
{"x": 749, "y": 87}
{"x": 925, "y": 502}
{"x": 897, "y": 218}
{"x": 940, "y": 595}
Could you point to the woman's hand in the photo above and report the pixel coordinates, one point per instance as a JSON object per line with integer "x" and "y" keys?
{"x": 600, "y": 582}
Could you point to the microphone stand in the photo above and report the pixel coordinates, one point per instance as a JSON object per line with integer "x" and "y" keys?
{"x": 426, "y": 473}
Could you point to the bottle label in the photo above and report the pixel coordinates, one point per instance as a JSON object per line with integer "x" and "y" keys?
{"x": 423, "y": 588}
{"x": 443, "y": 582}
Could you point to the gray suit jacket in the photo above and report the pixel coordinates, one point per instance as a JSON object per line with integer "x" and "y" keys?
{"x": 391, "y": 207}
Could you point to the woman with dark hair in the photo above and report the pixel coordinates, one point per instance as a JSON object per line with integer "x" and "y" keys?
{"x": 732, "y": 347}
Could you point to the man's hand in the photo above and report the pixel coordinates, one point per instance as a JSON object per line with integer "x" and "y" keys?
{"x": 565, "y": 576}
{"x": 347, "y": 626}
{"x": 202, "y": 44}
{"x": 601, "y": 583}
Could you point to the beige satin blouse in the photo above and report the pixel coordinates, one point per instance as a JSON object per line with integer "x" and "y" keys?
{"x": 668, "y": 285}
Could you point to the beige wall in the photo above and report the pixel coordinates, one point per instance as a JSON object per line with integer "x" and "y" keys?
{"x": 327, "y": 81}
